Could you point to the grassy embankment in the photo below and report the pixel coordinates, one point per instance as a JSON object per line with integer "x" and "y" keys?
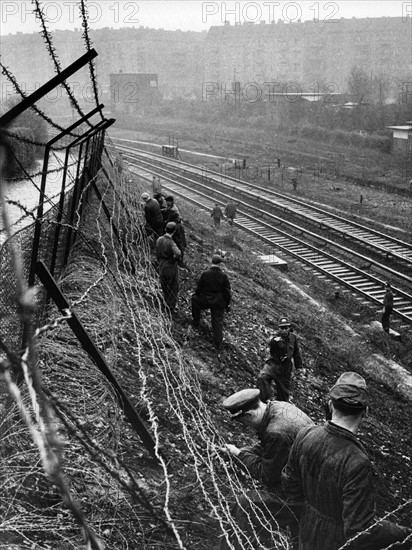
{"x": 379, "y": 208}
{"x": 174, "y": 376}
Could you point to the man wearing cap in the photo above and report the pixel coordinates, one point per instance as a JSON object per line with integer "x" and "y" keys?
{"x": 330, "y": 473}
{"x": 212, "y": 292}
{"x": 277, "y": 424}
{"x": 216, "y": 215}
{"x": 168, "y": 254}
{"x": 230, "y": 212}
{"x": 284, "y": 352}
{"x": 172, "y": 214}
{"x": 153, "y": 215}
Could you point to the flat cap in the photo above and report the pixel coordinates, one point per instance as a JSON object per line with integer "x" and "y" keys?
{"x": 283, "y": 322}
{"x": 241, "y": 401}
{"x": 145, "y": 196}
{"x": 216, "y": 259}
{"x": 350, "y": 389}
{"x": 171, "y": 226}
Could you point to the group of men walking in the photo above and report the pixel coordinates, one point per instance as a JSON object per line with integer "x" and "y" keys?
{"x": 213, "y": 292}
{"x": 317, "y": 480}
{"x": 217, "y": 214}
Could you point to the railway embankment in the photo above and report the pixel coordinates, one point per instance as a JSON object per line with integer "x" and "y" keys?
{"x": 177, "y": 382}
{"x": 375, "y": 364}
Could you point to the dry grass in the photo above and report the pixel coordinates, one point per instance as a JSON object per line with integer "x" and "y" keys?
{"x": 177, "y": 383}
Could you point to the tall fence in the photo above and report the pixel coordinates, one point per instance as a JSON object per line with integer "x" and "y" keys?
{"x": 52, "y": 235}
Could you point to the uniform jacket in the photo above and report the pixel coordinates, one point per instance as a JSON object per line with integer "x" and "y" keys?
{"x": 280, "y": 425}
{"x": 172, "y": 215}
{"x": 330, "y": 472}
{"x": 217, "y": 213}
{"x": 153, "y": 213}
{"x": 388, "y": 299}
{"x": 214, "y": 287}
{"x": 292, "y": 349}
{"x": 167, "y": 250}
{"x": 280, "y": 360}
{"x": 230, "y": 210}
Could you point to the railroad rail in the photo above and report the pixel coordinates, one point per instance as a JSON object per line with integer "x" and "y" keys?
{"x": 250, "y": 219}
{"x": 390, "y": 247}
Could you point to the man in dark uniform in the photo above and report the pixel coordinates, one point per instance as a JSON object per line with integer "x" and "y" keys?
{"x": 153, "y": 215}
{"x": 277, "y": 424}
{"x": 387, "y": 307}
{"x": 330, "y": 473}
{"x": 216, "y": 215}
{"x": 172, "y": 214}
{"x": 168, "y": 255}
{"x": 230, "y": 212}
{"x": 212, "y": 292}
{"x": 284, "y": 352}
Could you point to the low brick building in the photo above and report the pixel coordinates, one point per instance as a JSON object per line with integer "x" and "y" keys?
{"x": 402, "y": 138}
{"x": 130, "y": 93}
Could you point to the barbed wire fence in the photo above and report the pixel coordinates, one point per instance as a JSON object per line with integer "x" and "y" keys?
{"x": 71, "y": 449}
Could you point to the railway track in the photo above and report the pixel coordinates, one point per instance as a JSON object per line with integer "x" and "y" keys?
{"x": 390, "y": 247}
{"x": 265, "y": 226}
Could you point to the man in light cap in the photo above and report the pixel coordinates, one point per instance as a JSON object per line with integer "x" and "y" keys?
{"x": 153, "y": 216}
{"x": 330, "y": 473}
{"x": 277, "y": 424}
{"x": 168, "y": 254}
{"x": 212, "y": 292}
{"x": 284, "y": 353}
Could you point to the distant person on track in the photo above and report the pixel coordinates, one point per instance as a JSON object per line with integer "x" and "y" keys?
{"x": 168, "y": 256}
{"x": 156, "y": 185}
{"x": 230, "y": 212}
{"x": 172, "y": 214}
{"x": 212, "y": 292}
{"x": 216, "y": 215}
{"x": 284, "y": 353}
{"x": 277, "y": 424}
{"x": 118, "y": 165}
{"x": 330, "y": 473}
{"x": 153, "y": 216}
{"x": 387, "y": 308}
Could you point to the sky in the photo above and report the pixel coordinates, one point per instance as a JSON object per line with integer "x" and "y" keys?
{"x": 196, "y": 15}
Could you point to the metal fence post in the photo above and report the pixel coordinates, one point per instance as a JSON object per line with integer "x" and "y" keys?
{"x": 90, "y": 348}
{"x": 40, "y": 208}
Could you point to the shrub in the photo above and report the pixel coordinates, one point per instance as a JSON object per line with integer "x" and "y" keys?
{"x": 379, "y": 142}
{"x": 22, "y": 151}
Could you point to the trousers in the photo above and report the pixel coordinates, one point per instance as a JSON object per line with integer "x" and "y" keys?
{"x": 169, "y": 281}
{"x": 217, "y": 315}
{"x": 386, "y": 318}
{"x": 281, "y": 374}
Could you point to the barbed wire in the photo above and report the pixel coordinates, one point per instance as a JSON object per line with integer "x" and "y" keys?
{"x": 156, "y": 354}
{"x": 86, "y": 38}
{"x": 375, "y": 523}
{"x": 40, "y": 173}
{"x": 97, "y": 452}
{"x": 35, "y": 143}
{"x": 191, "y": 418}
{"x": 16, "y": 86}
{"x": 52, "y": 52}
{"x": 49, "y": 446}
